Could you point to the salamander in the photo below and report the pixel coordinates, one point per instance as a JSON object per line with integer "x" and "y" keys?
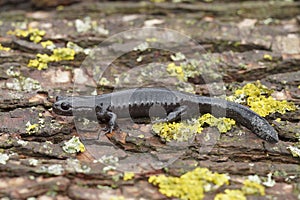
{"x": 167, "y": 105}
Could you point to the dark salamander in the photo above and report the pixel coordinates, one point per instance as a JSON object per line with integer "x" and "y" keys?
{"x": 165, "y": 104}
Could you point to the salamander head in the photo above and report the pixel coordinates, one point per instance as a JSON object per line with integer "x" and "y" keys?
{"x": 83, "y": 106}
{"x": 63, "y": 106}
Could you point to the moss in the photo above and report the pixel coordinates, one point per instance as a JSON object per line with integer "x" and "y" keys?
{"x": 182, "y": 131}
{"x": 258, "y": 98}
{"x": 128, "y": 176}
{"x": 73, "y": 146}
{"x": 231, "y": 195}
{"x": 191, "y": 185}
{"x": 2, "y": 48}
{"x": 35, "y": 35}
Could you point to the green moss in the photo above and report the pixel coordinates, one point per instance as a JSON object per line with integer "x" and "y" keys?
{"x": 35, "y": 35}
{"x": 231, "y": 195}
{"x": 182, "y": 131}
{"x": 258, "y": 98}
{"x": 191, "y": 185}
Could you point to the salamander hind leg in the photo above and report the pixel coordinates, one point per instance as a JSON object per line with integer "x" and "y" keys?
{"x": 173, "y": 116}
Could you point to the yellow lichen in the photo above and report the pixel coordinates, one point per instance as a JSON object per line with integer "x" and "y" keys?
{"x": 257, "y": 97}
{"x": 48, "y": 44}
{"x": 268, "y": 57}
{"x": 2, "y": 48}
{"x": 223, "y": 124}
{"x": 252, "y": 187}
{"x": 63, "y": 54}
{"x": 33, "y": 34}
{"x": 59, "y": 54}
{"x": 31, "y": 128}
{"x": 182, "y": 131}
{"x": 175, "y": 70}
{"x": 128, "y": 176}
{"x": 184, "y": 70}
{"x": 231, "y": 195}
{"x": 190, "y": 186}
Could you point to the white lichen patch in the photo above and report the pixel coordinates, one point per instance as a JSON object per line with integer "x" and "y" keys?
{"x": 294, "y": 150}
{"x": 73, "y": 145}
{"x": 269, "y": 182}
{"x": 75, "y": 165}
{"x": 142, "y": 47}
{"x": 111, "y": 161}
{"x": 22, "y": 142}
{"x": 23, "y": 83}
{"x": 33, "y": 162}
{"x": 55, "y": 169}
{"x": 3, "y": 158}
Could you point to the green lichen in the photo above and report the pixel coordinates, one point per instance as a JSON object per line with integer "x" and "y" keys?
{"x": 2, "y": 48}
{"x": 231, "y": 195}
{"x": 191, "y": 185}
{"x": 258, "y": 98}
{"x": 182, "y": 131}
{"x": 59, "y": 54}
{"x": 35, "y": 35}
{"x": 73, "y": 145}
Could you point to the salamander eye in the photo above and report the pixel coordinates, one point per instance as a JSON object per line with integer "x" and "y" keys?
{"x": 65, "y": 106}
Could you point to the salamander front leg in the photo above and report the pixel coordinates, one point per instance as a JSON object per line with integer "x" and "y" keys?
{"x": 106, "y": 117}
{"x": 175, "y": 115}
